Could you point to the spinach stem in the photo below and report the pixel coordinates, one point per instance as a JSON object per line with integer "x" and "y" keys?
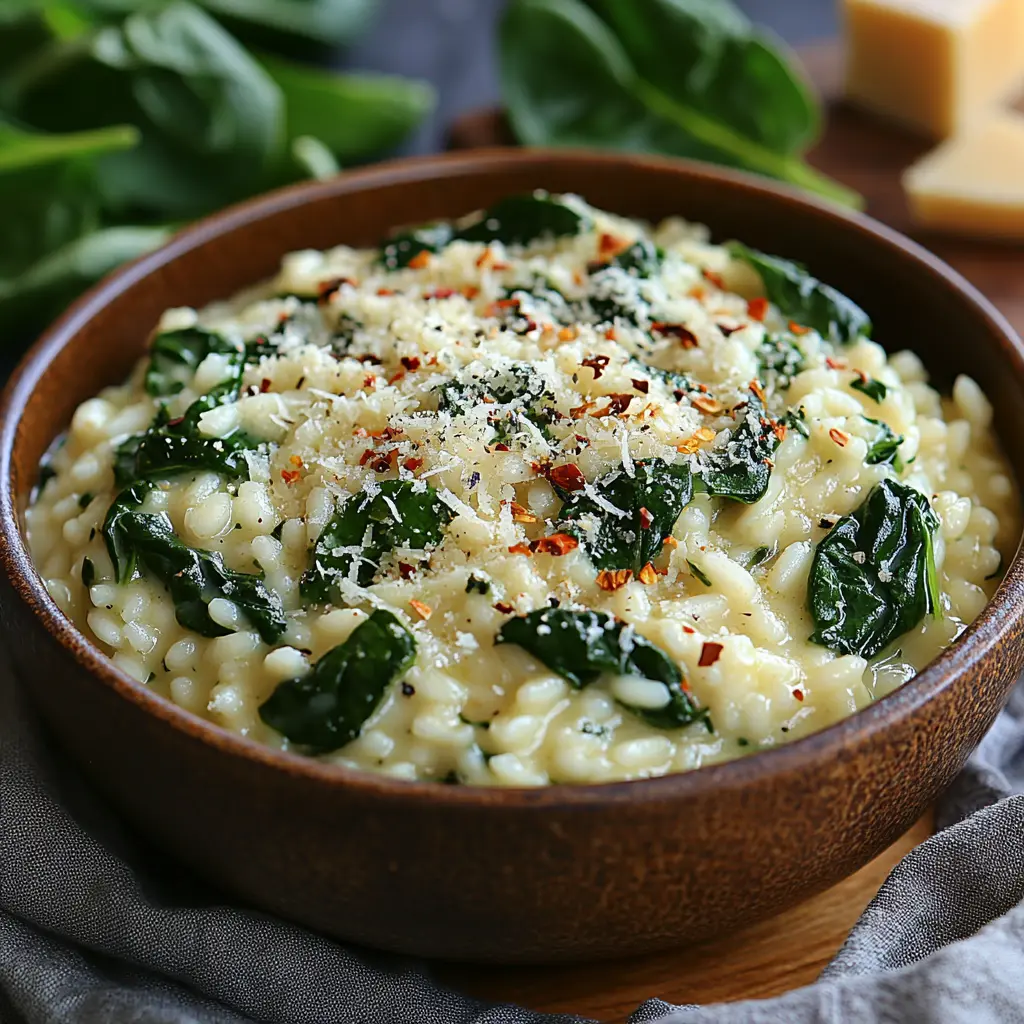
{"x": 752, "y": 155}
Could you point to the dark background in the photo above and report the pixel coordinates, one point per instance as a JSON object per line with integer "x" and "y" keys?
{"x": 451, "y": 44}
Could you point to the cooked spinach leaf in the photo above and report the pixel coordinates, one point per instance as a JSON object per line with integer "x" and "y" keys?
{"x": 583, "y": 646}
{"x": 364, "y": 529}
{"x": 515, "y": 392}
{"x": 779, "y": 360}
{"x": 146, "y": 540}
{"x": 520, "y": 220}
{"x": 796, "y": 419}
{"x": 698, "y": 573}
{"x": 758, "y": 556}
{"x": 873, "y": 577}
{"x": 175, "y": 356}
{"x": 88, "y": 573}
{"x": 742, "y": 468}
{"x": 804, "y": 299}
{"x": 401, "y": 248}
{"x": 883, "y": 450}
{"x": 655, "y": 495}
{"x": 643, "y": 258}
{"x": 690, "y": 79}
{"x": 326, "y": 708}
{"x": 869, "y": 386}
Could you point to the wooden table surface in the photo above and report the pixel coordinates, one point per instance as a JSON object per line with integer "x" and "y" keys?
{"x": 789, "y": 951}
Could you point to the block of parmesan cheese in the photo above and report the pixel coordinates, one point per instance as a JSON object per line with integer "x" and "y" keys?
{"x": 973, "y": 183}
{"x": 932, "y": 65}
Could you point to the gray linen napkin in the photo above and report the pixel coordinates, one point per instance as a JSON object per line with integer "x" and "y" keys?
{"x": 97, "y": 926}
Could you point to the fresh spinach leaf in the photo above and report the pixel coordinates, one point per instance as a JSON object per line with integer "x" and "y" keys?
{"x": 655, "y": 495}
{"x": 883, "y": 450}
{"x": 663, "y": 76}
{"x": 873, "y": 576}
{"x": 779, "y": 360}
{"x": 583, "y": 646}
{"x": 326, "y": 708}
{"x": 872, "y": 388}
{"x": 145, "y": 540}
{"x": 364, "y": 529}
{"x": 520, "y": 220}
{"x": 803, "y": 298}
{"x": 354, "y": 116}
{"x": 742, "y": 468}
{"x": 175, "y": 356}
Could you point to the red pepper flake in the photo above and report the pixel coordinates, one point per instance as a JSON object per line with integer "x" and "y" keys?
{"x": 648, "y": 574}
{"x": 520, "y": 549}
{"x": 799, "y": 694}
{"x": 597, "y": 363}
{"x": 420, "y": 260}
{"x": 835, "y": 364}
{"x": 617, "y": 405}
{"x": 779, "y": 430}
{"x": 385, "y": 291}
{"x": 326, "y": 290}
{"x": 556, "y": 544}
{"x": 609, "y": 245}
{"x": 176, "y": 422}
{"x": 728, "y": 329}
{"x": 611, "y": 334}
{"x": 289, "y": 476}
{"x": 411, "y": 363}
{"x": 706, "y": 404}
{"x": 645, "y": 518}
{"x": 581, "y": 410}
{"x": 495, "y": 308}
{"x": 265, "y": 385}
{"x": 406, "y": 570}
{"x": 715, "y": 279}
{"x": 412, "y": 464}
{"x": 568, "y": 334}
{"x": 440, "y": 293}
{"x": 369, "y": 380}
{"x": 368, "y": 454}
{"x": 521, "y": 514}
{"x": 798, "y": 329}
{"x": 670, "y": 542}
{"x": 611, "y": 580}
{"x": 498, "y": 265}
{"x": 709, "y": 653}
{"x": 296, "y": 461}
{"x": 397, "y": 377}
{"x": 840, "y": 437}
{"x": 689, "y": 629}
{"x": 424, "y": 611}
{"x": 470, "y": 291}
{"x": 686, "y": 337}
{"x": 755, "y": 386}
{"x": 643, "y": 386}
{"x": 569, "y": 477}
{"x": 503, "y": 606}
{"x": 757, "y": 309}
{"x": 499, "y": 447}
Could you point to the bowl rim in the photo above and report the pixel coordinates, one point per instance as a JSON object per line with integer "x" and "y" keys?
{"x": 833, "y": 742}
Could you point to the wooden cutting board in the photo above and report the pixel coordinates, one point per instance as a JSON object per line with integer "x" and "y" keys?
{"x": 790, "y": 950}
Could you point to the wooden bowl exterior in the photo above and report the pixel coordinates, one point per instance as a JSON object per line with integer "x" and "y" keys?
{"x": 490, "y": 874}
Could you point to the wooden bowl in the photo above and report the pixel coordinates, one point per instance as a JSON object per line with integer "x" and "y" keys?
{"x": 566, "y": 872}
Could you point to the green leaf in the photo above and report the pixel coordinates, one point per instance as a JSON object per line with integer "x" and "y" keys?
{"x": 873, "y": 577}
{"x": 43, "y": 290}
{"x": 872, "y": 388}
{"x": 354, "y": 116}
{"x": 612, "y": 541}
{"x": 883, "y": 450}
{"x": 174, "y": 357}
{"x": 570, "y": 78}
{"x": 325, "y": 21}
{"x": 698, "y": 573}
{"x": 779, "y": 360}
{"x": 145, "y": 540}
{"x": 364, "y": 529}
{"x": 803, "y": 298}
{"x": 739, "y": 470}
{"x": 520, "y": 220}
{"x": 584, "y": 646}
{"x": 404, "y": 246}
{"x": 20, "y": 149}
{"x": 326, "y": 708}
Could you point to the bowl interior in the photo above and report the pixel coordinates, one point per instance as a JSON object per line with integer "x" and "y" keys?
{"x": 914, "y": 300}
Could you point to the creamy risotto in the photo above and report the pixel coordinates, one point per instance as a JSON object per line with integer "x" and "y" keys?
{"x": 544, "y": 495}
